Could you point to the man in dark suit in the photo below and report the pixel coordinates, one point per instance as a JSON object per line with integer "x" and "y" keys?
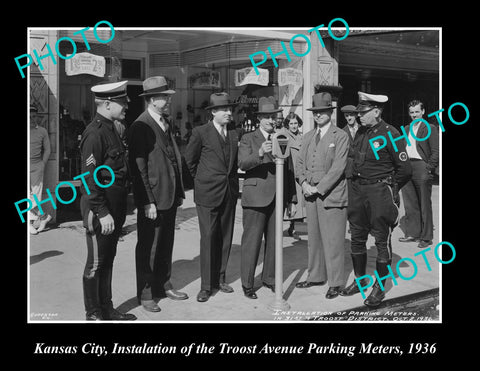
{"x": 417, "y": 193}
{"x": 211, "y": 157}
{"x": 353, "y": 129}
{"x": 258, "y": 198}
{"x": 155, "y": 163}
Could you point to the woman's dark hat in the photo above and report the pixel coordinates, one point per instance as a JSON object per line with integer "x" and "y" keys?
{"x": 321, "y": 101}
{"x": 155, "y": 85}
{"x": 267, "y": 105}
{"x": 220, "y": 100}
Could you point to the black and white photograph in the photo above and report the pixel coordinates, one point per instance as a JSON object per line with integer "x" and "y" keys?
{"x": 194, "y": 236}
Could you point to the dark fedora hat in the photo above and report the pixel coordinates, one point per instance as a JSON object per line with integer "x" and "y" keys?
{"x": 156, "y": 85}
{"x": 267, "y": 105}
{"x": 321, "y": 101}
{"x": 220, "y": 100}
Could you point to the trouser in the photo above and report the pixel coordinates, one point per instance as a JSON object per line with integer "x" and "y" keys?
{"x": 36, "y": 188}
{"x": 101, "y": 251}
{"x": 216, "y": 234}
{"x": 153, "y": 253}
{"x": 371, "y": 209}
{"x": 326, "y": 242}
{"x": 417, "y": 195}
{"x": 258, "y": 222}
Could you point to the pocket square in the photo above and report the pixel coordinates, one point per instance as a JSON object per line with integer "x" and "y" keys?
{"x": 331, "y": 145}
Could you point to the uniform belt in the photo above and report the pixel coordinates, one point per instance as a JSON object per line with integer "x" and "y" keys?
{"x": 364, "y": 181}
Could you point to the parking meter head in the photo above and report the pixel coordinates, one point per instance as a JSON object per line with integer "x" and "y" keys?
{"x": 280, "y": 144}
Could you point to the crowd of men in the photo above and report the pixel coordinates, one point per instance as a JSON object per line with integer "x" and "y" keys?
{"x": 335, "y": 177}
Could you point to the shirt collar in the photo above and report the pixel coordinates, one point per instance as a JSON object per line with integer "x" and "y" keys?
{"x": 323, "y": 129}
{"x": 220, "y": 127}
{"x": 157, "y": 117}
{"x": 265, "y": 134}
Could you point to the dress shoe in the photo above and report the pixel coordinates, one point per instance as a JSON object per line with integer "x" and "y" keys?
{"x": 271, "y": 287}
{"x": 114, "y": 315}
{"x": 408, "y": 239}
{"x": 249, "y": 293}
{"x": 353, "y": 288}
{"x": 203, "y": 296}
{"x": 225, "y": 288}
{"x": 175, "y": 295}
{"x": 94, "y": 316}
{"x": 424, "y": 243}
{"x": 150, "y": 306}
{"x": 332, "y": 292}
{"x": 307, "y": 284}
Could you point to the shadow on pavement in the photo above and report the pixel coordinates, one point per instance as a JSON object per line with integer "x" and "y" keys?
{"x": 44, "y": 255}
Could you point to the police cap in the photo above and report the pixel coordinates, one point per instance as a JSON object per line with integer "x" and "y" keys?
{"x": 368, "y": 101}
{"x": 111, "y": 91}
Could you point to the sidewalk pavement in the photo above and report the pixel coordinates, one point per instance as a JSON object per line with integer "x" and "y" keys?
{"x": 57, "y": 259}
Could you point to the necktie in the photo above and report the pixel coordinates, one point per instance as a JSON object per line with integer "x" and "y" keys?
{"x": 317, "y": 137}
{"x": 222, "y": 134}
{"x": 269, "y": 137}
{"x": 165, "y": 124}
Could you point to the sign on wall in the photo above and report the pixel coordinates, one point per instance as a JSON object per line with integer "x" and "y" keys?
{"x": 85, "y": 63}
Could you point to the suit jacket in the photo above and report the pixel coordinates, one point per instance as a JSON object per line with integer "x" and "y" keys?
{"x": 351, "y": 152}
{"x": 428, "y": 149}
{"x": 260, "y": 181}
{"x": 324, "y": 165}
{"x": 153, "y": 175}
{"x": 205, "y": 159}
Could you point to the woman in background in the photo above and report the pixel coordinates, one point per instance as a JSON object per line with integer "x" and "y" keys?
{"x": 292, "y": 123}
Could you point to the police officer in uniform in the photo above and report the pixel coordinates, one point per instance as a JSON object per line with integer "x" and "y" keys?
{"x": 104, "y": 199}
{"x": 373, "y": 197}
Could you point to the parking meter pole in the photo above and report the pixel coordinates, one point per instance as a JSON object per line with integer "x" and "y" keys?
{"x": 279, "y": 302}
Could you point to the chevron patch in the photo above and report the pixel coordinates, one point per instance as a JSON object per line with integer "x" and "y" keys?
{"x": 91, "y": 161}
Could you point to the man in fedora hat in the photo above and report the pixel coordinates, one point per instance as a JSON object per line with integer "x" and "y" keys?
{"x": 103, "y": 207}
{"x": 211, "y": 157}
{"x": 320, "y": 170}
{"x": 373, "y": 198}
{"x": 258, "y": 197}
{"x": 155, "y": 163}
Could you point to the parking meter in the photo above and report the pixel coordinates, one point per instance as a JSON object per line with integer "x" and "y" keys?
{"x": 280, "y": 144}
{"x": 280, "y": 151}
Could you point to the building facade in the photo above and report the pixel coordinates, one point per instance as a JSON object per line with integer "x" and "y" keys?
{"x": 403, "y": 64}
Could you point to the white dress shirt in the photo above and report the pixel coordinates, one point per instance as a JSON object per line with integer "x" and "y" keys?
{"x": 158, "y": 119}
{"x": 412, "y": 149}
{"x": 220, "y": 128}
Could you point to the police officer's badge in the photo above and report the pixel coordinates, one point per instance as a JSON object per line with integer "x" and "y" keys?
{"x": 403, "y": 156}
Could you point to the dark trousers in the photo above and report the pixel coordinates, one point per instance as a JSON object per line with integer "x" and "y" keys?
{"x": 417, "y": 197}
{"x": 371, "y": 209}
{"x": 258, "y": 222}
{"x": 101, "y": 251}
{"x": 216, "y": 234}
{"x": 153, "y": 253}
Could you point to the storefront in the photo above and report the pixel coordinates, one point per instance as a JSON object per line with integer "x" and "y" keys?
{"x": 199, "y": 62}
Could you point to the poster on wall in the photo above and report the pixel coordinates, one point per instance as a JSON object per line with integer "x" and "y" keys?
{"x": 205, "y": 79}
{"x": 247, "y": 75}
{"x": 290, "y": 82}
{"x": 290, "y": 76}
{"x": 85, "y": 63}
